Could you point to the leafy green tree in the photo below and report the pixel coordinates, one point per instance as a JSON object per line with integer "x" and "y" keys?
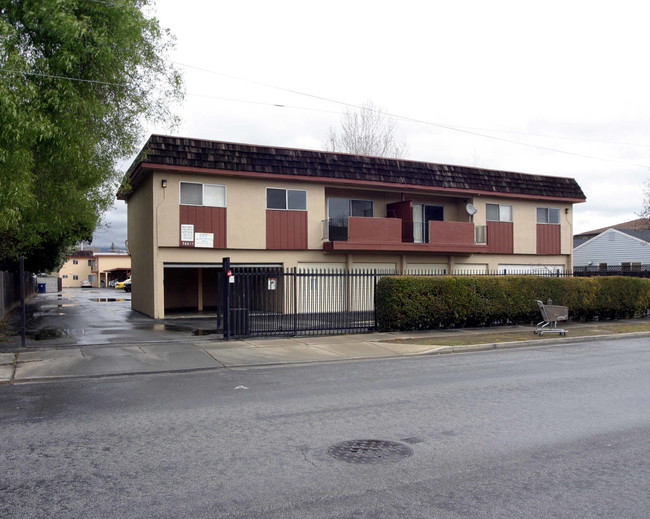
{"x": 79, "y": 79}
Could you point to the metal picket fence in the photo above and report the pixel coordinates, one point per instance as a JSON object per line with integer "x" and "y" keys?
{"x": 268, "y": 302}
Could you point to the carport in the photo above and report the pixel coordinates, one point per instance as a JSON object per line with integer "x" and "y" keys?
{"x": 195, "y": 288}
{"x": 191, "y": 288}
{"x": 117, "y": 274}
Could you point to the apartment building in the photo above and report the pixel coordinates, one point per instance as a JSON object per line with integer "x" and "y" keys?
{"x": 193, "y": 202}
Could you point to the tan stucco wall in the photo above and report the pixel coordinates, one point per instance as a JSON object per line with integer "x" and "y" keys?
{"x": 82, "y": 269}
{"x": 246, "y": 209}
{"x": 524, "y": 214}
{"x": 144, "y": 289}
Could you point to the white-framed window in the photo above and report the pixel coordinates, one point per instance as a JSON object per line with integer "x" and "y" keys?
{"x": 65, "y": 276}
{"x": 498, "y": 213}
{"x": 207, "y": 195}
{"x": 287, "y": 199}
{"x": 75, "y": 262}
{"x": 75, "y": 277}
{"x": 548, "y": 215}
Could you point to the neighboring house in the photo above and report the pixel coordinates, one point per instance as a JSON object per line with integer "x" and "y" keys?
{"x": 97, "y": 267}
{"x": 614, "y": 247}
{"x": 77, "y": 267}
{"x": 640, "y": 224}
{"x": 192, "y": 202}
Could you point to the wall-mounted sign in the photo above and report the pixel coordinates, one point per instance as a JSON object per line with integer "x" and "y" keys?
{"x": 187, "y": 234}
{"x": 273, "y": 284}
{"x": 204, "y": 239}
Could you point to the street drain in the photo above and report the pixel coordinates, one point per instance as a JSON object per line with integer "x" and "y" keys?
{"x": 369, "y": 451}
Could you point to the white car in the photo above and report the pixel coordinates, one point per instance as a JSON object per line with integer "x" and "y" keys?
{"x": 86, "y": 284}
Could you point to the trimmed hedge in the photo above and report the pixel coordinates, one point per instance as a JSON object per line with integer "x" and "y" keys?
{"x": 422, "y": 303}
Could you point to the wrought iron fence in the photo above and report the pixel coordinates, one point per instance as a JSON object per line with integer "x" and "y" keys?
{"x": 268, "y": 301}
{"x": 277, "y": 302}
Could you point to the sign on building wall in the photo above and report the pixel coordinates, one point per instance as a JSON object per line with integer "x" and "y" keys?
{"x": 204, "y": 239}
{"x": 187, "y": 235}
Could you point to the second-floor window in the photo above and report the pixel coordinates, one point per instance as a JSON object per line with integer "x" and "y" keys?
{"x": 208, "y": 195}
{"x": 344, "y": 207}
{"x": 75, "y": 262}
{"x": 498, "y": 213}
{"x": 548, "y": 215}
{"x": 291, "y": 199}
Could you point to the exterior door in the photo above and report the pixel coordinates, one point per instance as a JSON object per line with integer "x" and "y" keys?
{"x": 422, "y": 215}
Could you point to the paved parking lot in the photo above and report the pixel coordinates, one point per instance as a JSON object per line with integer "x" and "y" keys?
{"x": 91, "y": 316}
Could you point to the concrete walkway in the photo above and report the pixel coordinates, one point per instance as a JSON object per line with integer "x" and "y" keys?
{"x": 205, "y": 353}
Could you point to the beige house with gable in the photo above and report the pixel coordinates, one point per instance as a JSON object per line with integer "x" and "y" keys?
{"x": 193, "y": 202}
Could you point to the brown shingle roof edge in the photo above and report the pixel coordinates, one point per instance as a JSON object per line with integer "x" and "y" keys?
{"x": 183, "y": 153}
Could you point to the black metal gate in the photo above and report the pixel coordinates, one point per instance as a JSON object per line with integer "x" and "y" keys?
{"x": 261, "y": 301}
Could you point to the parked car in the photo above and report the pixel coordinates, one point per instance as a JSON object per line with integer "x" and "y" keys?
{"x": 120, "y": 285}
{"x": 86, "y": 284}
{"x": 112, "y": 283}
{"x": 127, "y": 285}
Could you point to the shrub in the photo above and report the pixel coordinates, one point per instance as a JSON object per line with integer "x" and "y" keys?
{"x": 420, "y": 303}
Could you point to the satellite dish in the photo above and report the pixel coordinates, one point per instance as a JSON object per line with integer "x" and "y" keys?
{"x": 471, "y": 210}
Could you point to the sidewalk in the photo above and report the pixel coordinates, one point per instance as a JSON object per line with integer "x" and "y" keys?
{"x": 207, "y": 353}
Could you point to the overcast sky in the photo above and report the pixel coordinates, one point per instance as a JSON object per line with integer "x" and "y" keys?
{"x": 552, "y": 88}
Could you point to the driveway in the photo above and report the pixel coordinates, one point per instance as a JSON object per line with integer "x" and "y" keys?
{"x": 83, "y": 316}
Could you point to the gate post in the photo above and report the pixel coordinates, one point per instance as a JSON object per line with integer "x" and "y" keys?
{"x": 226, "y": 298}
{"x": 295, "y": 301}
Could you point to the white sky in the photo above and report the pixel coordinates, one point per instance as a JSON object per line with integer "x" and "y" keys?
{"x": 566, "y": 75}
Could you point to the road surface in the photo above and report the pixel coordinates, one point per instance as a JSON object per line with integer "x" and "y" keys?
{"x": 561, "y": 431}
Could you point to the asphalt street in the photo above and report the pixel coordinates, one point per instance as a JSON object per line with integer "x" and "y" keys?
{"x": 536, "y": 432}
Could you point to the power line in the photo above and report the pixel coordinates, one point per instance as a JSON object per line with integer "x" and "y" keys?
{"x": 419, "y": 121}
{"x": 468, "y": 131}
{"x": 37, "y": 74}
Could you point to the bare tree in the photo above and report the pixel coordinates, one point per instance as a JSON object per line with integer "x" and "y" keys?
{"x": 645, "y": 210}
{"x": 367, "y": 131}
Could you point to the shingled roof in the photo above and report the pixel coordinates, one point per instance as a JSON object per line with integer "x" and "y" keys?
{"x": 171, "y": 152}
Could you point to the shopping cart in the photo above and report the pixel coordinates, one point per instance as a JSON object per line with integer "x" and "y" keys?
{"x": 551, "y": 314}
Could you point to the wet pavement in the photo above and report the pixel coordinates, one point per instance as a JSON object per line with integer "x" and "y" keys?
{"x": 94, "y": 333}
{"x": 95, "y": 316}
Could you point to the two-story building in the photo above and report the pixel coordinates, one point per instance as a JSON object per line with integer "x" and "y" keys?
{"x": 77, "y": 268}
{"x": 192, "y": 202}
{"x": 100, "y": 268}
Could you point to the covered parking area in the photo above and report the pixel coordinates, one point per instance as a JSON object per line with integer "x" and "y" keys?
{"x": 195, "y": 289}
{"x": 115, "y": 274}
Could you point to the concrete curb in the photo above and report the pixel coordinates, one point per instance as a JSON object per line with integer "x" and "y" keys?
{"x": 435, "y": 350}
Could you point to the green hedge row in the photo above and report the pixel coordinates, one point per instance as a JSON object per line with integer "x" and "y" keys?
{"x": 424, "y": 303}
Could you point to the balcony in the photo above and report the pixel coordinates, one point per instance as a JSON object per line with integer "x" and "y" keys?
{"x": 395, "y": 234}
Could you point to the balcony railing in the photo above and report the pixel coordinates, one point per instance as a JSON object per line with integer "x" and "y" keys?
{"x": 365, "y": 233}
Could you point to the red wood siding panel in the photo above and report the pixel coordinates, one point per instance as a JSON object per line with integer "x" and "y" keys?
{"x": 205, "y": 219}
{"x": 499, "y": 238}
{"x": 451, "y": 233}
{"x": 286, "y": 230}
{"x": 374, "y": 230}
{"x": 548, "y": 239}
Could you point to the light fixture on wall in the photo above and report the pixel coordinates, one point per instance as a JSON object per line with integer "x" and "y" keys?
{"x": 164, "y": 182}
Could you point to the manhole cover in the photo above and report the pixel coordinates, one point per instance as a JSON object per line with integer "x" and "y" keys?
{"x": 369, "y": 451}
